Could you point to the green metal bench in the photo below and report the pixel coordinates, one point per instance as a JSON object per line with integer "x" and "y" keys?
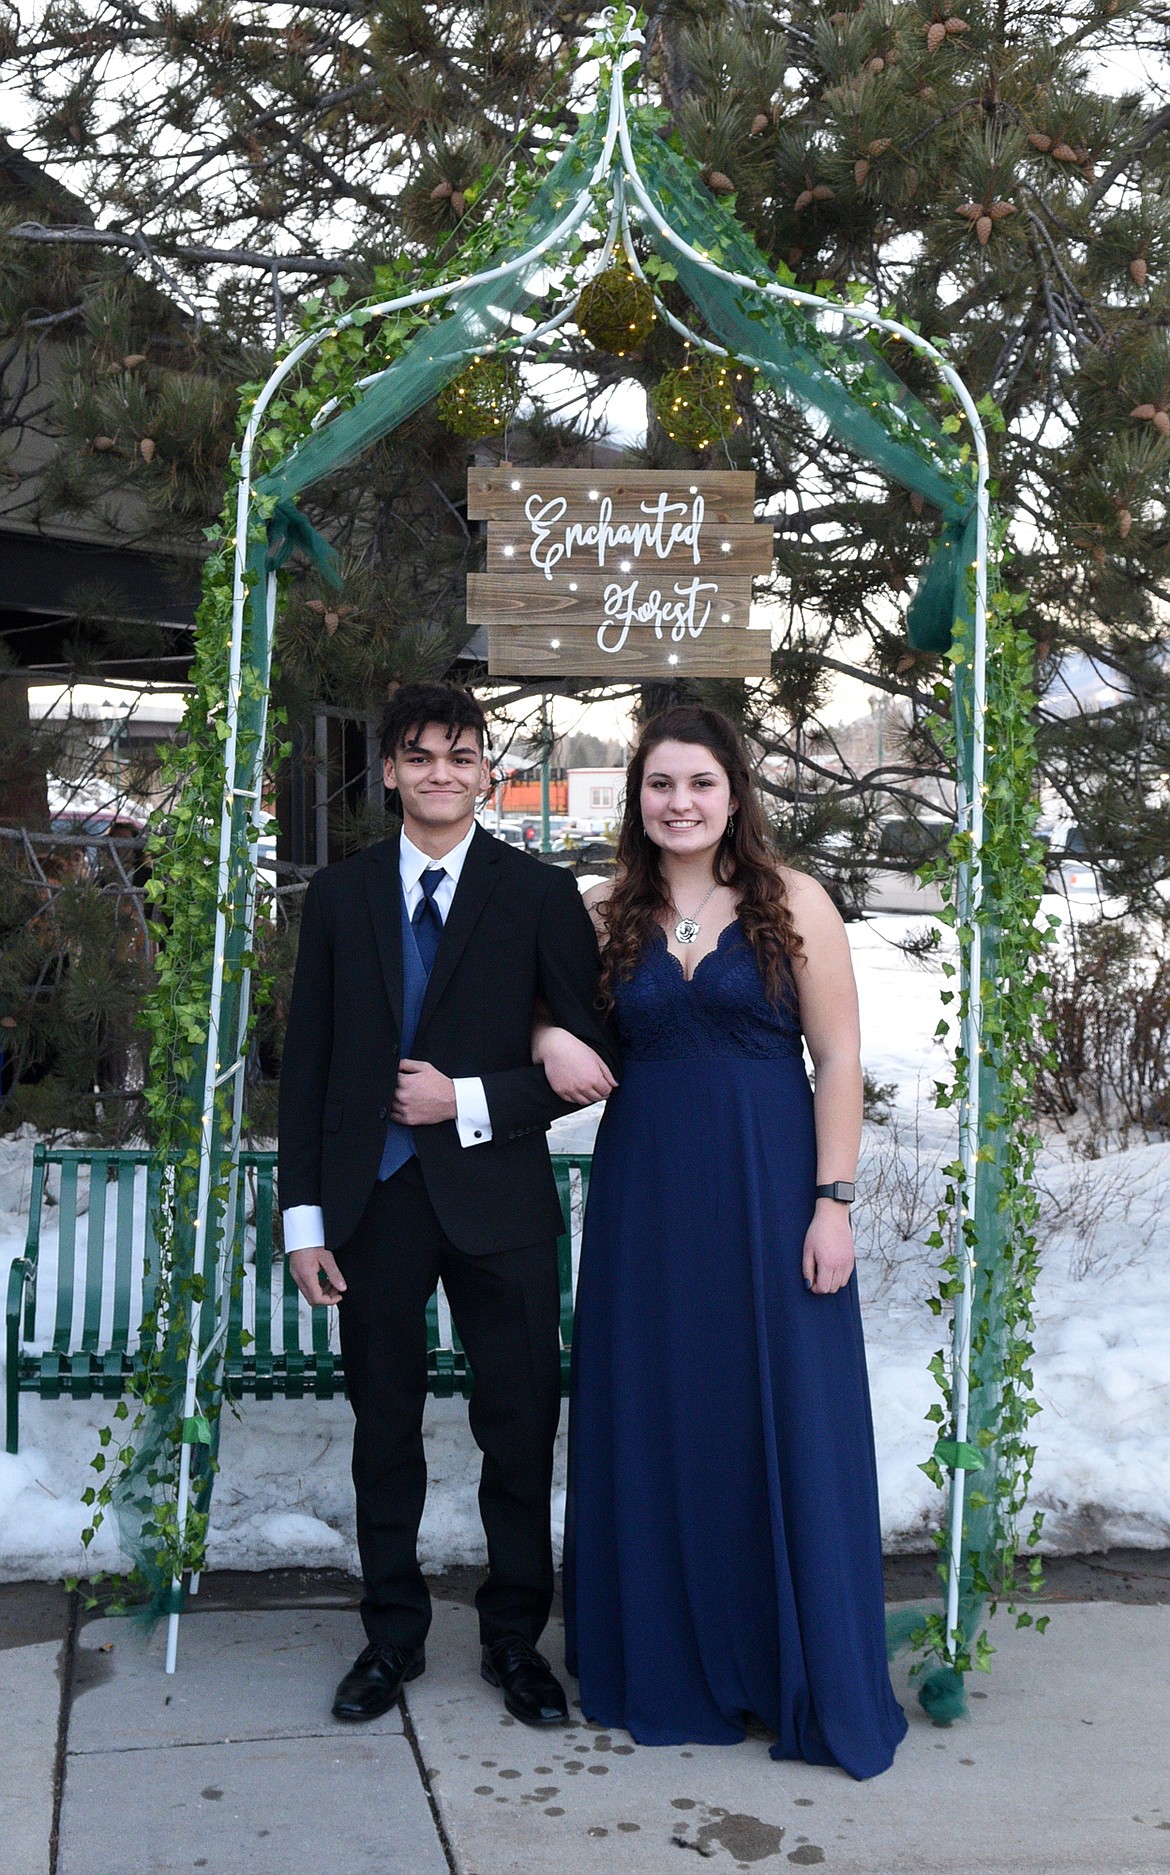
{"x": 78, "y": 1295}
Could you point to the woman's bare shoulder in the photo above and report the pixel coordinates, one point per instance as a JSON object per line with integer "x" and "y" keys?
{"x": 807, "y": 898}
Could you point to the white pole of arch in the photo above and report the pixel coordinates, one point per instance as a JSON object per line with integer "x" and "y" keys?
{"x": 970, "y": 807}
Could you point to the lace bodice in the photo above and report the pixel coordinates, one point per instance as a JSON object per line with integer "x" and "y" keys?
{"x": 723, "y": 1010}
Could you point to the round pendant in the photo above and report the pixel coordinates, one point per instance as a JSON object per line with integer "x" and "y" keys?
{"x": 686, "y": 930}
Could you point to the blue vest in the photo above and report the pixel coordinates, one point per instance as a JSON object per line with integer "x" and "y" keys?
{"x": 399, "y": 1145}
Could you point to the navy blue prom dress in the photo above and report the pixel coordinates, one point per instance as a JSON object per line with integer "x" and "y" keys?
{"x": 723, "y": 1548}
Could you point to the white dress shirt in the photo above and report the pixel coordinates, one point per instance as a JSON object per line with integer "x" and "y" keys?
{"x": 304, "y": 1226}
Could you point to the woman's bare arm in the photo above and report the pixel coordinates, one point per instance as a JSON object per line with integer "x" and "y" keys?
{"x": 829, "y": 1017}
{"x": 575, "y": 1071}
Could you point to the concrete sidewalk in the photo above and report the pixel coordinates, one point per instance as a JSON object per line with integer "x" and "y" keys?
{"x": 235, "y": 1767}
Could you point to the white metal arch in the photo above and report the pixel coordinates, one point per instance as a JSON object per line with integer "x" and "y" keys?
{"x": 617, "y": 166}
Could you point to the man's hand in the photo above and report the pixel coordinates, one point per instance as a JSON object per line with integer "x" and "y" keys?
{"x": 423, "y": 1096}
{"x": 576, "y": 1072}
{"x": 317, "y": 1276}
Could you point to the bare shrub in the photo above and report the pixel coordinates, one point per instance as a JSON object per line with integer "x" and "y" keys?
{"x": 1107, "y": 1054}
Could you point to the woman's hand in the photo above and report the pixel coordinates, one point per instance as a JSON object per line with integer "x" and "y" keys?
{"x": 575, "y": 1071}
{"x": 828, "y": 1248}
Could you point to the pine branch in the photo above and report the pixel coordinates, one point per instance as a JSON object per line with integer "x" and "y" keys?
{"x": 176, "y": 250}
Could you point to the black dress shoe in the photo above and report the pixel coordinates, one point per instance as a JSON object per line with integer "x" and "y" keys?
{"x": 375, "y": 1680}
{"x": 531, "y": 1692}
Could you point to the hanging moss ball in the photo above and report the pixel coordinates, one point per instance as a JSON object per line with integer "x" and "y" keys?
{"x": 616, "y": 311}
{"x": 696, "y": 403}
{"x": 483, "y": 398}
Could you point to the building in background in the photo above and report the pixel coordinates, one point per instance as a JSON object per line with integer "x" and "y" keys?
{"x": 596, "y": 795}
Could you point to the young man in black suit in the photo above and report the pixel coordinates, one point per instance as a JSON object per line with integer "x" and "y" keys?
{"x": 412, "y": 1123}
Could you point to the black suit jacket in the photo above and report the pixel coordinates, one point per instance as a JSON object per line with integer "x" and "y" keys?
{"x": 516, "y": 930}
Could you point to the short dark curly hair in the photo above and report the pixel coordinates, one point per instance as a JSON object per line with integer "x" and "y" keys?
{"x": 413, "y": 706}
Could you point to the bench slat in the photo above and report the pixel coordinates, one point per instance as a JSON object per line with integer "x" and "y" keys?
{"x": 123, "y": 1255}
{"x": 154, "y": 1179}
{"x": 66, "y": 1255}
{"x": 265, "y": 1301}
{"x": 95, "y": 1254}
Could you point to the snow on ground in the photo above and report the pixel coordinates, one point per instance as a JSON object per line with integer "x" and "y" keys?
{"x": 1102, "y": 1364}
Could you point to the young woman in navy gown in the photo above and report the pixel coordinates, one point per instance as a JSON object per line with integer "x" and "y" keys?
{"x": 723, "y": 1553}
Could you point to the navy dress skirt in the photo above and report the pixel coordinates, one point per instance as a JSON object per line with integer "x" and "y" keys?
{"x": 723, "y": 1550}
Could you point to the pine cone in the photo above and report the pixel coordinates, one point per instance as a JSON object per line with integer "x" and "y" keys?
{"x": 822, "y": 192}
{"x": 1161, "y": 422}
{"x": 860, "y": 170}
{"x": 936, "y": 34}
{"x": 760, "y": 123}
{"x": 1138, "y": 271}
{"x": 1039, "y": 141}
{"x": 458, "y": 201}
{"x": 916, "y": 501}
{"x": 133, "y": 360}
{"x": 1000, "y": 210}
{"x": 876, "y": 65}
{"x": 442, "y": 190}
{"x": 104, "y": 443}
{"x": 332, "y": 621}
{"x": 879, "y": 146}
{"x": 803, "y": 200}
{"x": 954, "y": 25}
{"x": 721, "y": 184}
{"x": 970, "y": 211}
{"x": 1124, "y": 522}
{"x": 1064, "y": 153}
{"x": 146, "y": 449}
{"x": 1145, "y": 413}
{"x": 983, "y": 229}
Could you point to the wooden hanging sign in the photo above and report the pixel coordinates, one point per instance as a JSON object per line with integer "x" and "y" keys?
{"x": 619, "y": 572}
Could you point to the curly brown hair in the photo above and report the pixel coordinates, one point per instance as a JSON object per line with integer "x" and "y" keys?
{"x": 744, "y": 861}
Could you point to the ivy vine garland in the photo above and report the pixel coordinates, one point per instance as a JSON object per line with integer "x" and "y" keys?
{"x": 1002, "y": 1402}
{"x": 695, "y": 404}
{"x": 616, "y": 311}
{"x": 483, "y": 399}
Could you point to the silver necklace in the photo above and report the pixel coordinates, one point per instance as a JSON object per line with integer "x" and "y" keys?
{"x": 687, "y": 929}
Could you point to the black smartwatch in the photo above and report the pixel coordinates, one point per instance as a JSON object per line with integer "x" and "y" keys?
{"x": 840, "y": 1189}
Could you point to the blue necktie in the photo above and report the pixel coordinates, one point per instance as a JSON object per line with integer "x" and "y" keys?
{"x": 425, "y": 922}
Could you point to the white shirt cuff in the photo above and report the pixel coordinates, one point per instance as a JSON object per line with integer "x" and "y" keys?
{"x": 304, "y": 1228}
{"x": 472, "y": 1120}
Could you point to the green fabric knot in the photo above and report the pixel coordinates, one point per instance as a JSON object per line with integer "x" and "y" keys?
{"x": 943, "y": 594}
{"x": 943, "y": 1697}
{"x": 170, "y": 1600}
{"x": 289, "y": 532}
{"x": 958, "y": 1455}
{"x": 196, "y": 1430}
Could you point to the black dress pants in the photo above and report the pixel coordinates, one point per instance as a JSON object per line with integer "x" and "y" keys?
{"x": 506, "y": 1308}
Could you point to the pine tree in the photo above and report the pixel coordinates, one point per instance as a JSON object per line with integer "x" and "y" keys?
{"x": 976, "y": 168}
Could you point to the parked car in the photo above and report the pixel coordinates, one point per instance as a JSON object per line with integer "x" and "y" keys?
{"x": 1066, "y": 861}
{"x": 904, "y": 844}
